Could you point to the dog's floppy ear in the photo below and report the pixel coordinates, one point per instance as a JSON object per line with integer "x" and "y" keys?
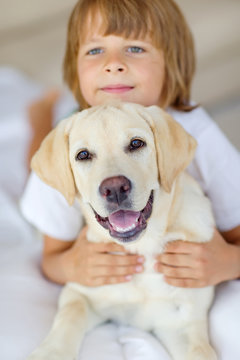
{"x": 51, "y": 162}
{"x": 174, "y": 146}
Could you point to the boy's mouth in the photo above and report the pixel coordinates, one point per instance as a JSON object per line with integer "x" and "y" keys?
{"x": 117, "y": 89}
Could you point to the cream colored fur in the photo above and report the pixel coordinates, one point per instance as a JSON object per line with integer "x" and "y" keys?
{"x": 177, "y": 316}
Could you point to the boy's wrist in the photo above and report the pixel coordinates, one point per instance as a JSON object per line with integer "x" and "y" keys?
{"x": 236, "y": 250}
{"x": 54, "y": 267}
{"x": 232, "y": 237}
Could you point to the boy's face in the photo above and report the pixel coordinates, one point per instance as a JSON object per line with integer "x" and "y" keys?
{"x": 115, "y": 67}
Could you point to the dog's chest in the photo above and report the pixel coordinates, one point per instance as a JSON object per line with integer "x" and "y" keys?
{"x": 142, "y": 302}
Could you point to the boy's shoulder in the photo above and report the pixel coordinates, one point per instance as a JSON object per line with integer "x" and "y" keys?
{"x": 195, "y": 121}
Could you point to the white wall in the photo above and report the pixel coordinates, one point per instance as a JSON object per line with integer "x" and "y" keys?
{"x": 32, "y": 38}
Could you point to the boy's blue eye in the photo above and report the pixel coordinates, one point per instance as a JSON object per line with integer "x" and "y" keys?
{"x": 135, "y": 49}
{"x": 95, "y": 51}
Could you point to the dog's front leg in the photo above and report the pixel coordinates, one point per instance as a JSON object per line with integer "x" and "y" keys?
{"x": 72, "y": 320}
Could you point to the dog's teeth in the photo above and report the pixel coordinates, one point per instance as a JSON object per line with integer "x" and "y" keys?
{"x": 119, "y": 229}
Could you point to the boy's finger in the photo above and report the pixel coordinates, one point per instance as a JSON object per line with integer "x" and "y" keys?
{"x": 117, "y": 260}
{"x": 109, "y": 271}
{"x": 108, "y": 248}
{"x": 99, "y": 281}
{"x": 176, "y": 259}
{"x": 185, "y": 283}
{"x": 82, "y": 235}
{"x": 180, "y": 246}
{"x": 178, "y": 272}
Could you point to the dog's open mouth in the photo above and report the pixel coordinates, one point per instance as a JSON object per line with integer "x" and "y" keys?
{"x": 126, "y": 225}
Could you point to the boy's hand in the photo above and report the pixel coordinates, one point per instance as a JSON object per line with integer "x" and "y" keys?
{"x": 194, "y": 265}
{"x": 94, "y": 264}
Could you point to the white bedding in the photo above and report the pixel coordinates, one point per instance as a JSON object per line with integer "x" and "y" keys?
{"x": 27, "y": 300}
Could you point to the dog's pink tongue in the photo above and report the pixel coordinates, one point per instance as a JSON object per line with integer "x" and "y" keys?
{"x": 124, "y": 220}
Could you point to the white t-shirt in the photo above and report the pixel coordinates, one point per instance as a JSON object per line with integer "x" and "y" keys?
{"x": 216, "y": 167}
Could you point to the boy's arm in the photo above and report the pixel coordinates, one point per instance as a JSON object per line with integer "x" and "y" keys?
{"x": 90, "y": 264}
{"x": 232, "y": 236}
{"x": 53, "y": 263}
{"x": 187, "y": 264}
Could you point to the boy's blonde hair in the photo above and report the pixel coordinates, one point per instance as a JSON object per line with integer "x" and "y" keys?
{"x": 161, "y": 19}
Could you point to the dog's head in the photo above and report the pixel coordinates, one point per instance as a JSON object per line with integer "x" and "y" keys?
{"x": 115, "y": 157}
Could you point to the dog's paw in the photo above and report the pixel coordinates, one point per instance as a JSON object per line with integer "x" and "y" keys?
{"x": 205, "y": 352}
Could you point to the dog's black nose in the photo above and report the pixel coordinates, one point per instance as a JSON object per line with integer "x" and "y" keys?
{"x": 115, "y": 189}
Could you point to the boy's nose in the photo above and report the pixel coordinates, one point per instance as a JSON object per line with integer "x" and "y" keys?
{"x": 115, "y": 64}
{"x": 114, "y": 69}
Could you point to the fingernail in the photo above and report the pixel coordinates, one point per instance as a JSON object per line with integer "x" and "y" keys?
{"x": 138, "y": 268}
{"x": 128, "y": 277}
{"x": 140, "y": 259}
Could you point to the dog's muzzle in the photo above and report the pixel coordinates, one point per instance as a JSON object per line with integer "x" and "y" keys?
{"x": 127, "y": 225}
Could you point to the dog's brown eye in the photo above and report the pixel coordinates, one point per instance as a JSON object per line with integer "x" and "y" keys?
{"x": 136, "y": 144}
{"x": 83, "y": 155}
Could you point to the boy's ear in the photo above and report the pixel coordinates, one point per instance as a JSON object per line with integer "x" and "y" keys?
{"x": 175, "y": 148}
{"x": 51, "y": 162}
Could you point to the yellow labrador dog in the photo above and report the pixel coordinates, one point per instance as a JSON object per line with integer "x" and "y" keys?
{"x": 125, "y": 163}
